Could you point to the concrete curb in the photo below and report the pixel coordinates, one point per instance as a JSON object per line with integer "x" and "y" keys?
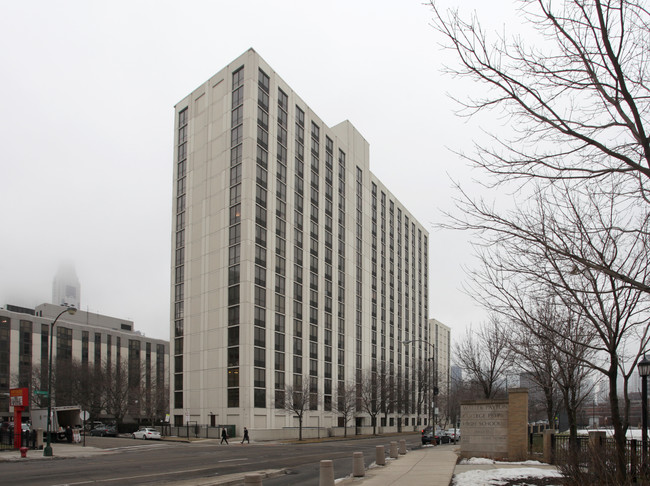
{"x": 228, "y": 479}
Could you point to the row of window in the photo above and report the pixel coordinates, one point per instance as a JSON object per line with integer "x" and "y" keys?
{"x": 179, "y": 257}
{"x": 234, "y": 235}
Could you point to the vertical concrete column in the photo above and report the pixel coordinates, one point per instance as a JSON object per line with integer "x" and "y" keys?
{"x": 597, "y": 444}
{"x": 326, "y": 473}
{"x": 597, "y": 438}
{"x": 548, "y": 446}
{"x": 402, "y": 447}
{"x": 380, "y": 456}
{"x": 253, "y": 479}
{"x": 518, "y": 424}
{"x": 393, "y": 450}
{"x": 358, "y": 469}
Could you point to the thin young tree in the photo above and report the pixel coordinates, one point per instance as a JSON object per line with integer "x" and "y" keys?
{"x": 372, "y": 398}
{"x": 484, "y": 355}
{"x": 298, "y": 399}
{"x": 346, "y": 403}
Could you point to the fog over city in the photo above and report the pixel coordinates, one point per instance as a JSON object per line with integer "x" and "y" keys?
{"x": 87, "y": 132}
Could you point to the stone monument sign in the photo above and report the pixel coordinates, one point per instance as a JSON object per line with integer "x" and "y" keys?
{"x": 484, "y": 425}
{"x": 495, "y": 428}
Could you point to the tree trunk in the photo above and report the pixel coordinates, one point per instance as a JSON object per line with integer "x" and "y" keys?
{"x": 619, "y": 432}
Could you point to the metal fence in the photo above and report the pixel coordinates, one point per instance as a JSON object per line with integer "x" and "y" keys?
{"x": 27, "y": 439}
{"x": 535, "y": 444}
{"x": 196, "y": 430}
{"x": 602, "y": 450}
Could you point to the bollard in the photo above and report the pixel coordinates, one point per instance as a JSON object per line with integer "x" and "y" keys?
{"x": 326, "y": 473}
{"x": 253, "y": 479}
{"x": 402, "y": 447}
{"x": 393, "y": 450}
{"x": 358, "y": 469}
{"x": 380, "y": 456}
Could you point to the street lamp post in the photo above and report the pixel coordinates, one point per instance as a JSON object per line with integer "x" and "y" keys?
{"x": 431, "y": 389}
{"x": 47, "y": 452}
{"x": 644, "y": 371}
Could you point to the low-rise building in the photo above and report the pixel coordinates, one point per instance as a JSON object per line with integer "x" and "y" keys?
{"x": 85, "y": 346}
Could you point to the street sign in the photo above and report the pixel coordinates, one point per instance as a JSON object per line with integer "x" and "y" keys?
{"x": 84, "y": 415}
{"x": 40, "y": 392}
{"x": 19, "y": 397}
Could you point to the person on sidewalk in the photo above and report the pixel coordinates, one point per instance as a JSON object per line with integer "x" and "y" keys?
{"x": 245, "y": 436}
{"x": 224, "y": 436}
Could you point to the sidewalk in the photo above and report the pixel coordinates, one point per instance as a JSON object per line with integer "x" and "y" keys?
{"x": 431, "y": 466}
{"x": 58, "y": 450}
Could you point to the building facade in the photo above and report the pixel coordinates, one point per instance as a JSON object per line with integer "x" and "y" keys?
{"x": 66, "y": 289}
{"x": 441, "y": 339}
{"x": 85, "y": 339}
{"x": 292, "y": 264}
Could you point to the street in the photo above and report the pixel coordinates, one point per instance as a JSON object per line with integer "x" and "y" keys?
{"x": 130, "y": 462}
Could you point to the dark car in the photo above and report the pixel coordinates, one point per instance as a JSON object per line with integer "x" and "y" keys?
{"x": 104, "y": 431}
{"x": 428, "y": 436}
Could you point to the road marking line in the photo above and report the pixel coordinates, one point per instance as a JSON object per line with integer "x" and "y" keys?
{"x": 96, "y": 481}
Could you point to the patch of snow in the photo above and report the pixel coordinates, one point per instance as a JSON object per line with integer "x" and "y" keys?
{"x": 484, "y": 460}
{"x": 495, "y": 477}
{"x": 477, "y": 460}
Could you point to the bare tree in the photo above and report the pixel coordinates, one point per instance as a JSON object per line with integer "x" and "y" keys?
{"x": 118, "y": 391}
{"x": 518, "y": 268}
{"x": 154, "y": 395}
{"x": 535, "y": 355}
{"x": 578, "y": 102}
{"x": 372, "y": 396}
{"x": 346, "y": 404}
{"x": 298, "y": 398}
{"x": 485, "y": 355}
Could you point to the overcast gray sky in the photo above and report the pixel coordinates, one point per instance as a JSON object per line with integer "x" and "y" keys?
{"x": 88, "y": 90}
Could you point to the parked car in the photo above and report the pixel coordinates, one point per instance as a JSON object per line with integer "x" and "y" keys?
{"x": 439, "y": 437}
{"x": 427, "y": 435}
{"x": 93, "y": 425}
{"x": 146, "y": 433}
{"x": 454, "y": 434}
{"x": 104, "y": 431}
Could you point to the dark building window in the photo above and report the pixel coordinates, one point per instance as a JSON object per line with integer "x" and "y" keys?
{"x": 25, "y": 357}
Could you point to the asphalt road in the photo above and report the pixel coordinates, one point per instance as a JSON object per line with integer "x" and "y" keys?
{"x": 129, "y": 462}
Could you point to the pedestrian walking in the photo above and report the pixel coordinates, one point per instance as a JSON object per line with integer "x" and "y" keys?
{"x": 245, "y": 436}
{"x": 224, "y": 436}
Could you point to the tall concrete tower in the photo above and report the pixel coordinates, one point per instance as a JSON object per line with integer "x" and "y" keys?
{"x": 66, "y": 288}
{"x": 293, "y": 266}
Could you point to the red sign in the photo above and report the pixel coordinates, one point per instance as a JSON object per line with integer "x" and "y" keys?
{"x": 19, "y": 397}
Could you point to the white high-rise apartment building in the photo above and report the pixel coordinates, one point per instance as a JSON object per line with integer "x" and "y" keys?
{"x": 292, "y": 264}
